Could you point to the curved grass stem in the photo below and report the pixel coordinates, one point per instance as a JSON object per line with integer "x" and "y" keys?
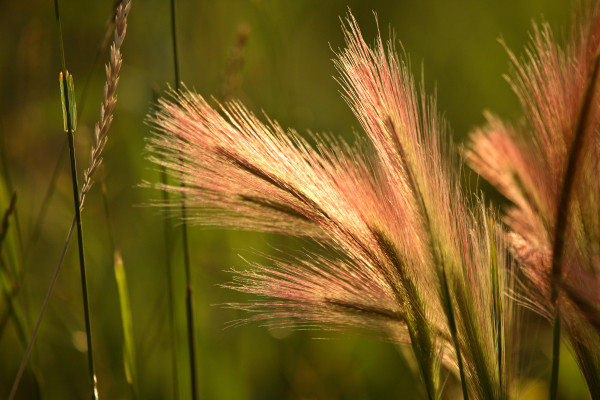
{"x": 36, "y": 328}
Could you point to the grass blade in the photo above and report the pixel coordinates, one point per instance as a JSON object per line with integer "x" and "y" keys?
{"x": 127, "y": 324}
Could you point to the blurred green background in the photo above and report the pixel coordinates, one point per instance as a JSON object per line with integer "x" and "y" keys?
{"x": 283, "y": 69}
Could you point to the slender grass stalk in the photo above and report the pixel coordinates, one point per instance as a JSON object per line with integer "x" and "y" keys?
{"x": 186, "y": 254}
{"x": 76, "y": 203}
{"x": 562, "y": 213}
{"x": 36, "y": 328}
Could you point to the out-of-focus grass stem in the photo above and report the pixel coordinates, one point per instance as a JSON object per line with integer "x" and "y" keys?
{"x": 186, "y": 254}
{"x": 170, "y": 305}
{"x": 167, "y": 227}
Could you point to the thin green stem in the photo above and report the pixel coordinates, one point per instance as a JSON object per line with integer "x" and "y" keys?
{"x": 70, "y": 136}
{"x": 186, "y": 254}
{"x": 562, "y": 214}
{"x": 84, "y": 289}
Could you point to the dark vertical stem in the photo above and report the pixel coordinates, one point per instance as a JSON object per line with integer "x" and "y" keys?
{"x": 452, "y": 324}
{"x": 562, "y": 213}
{"x": 174, "y": 37}
{"x": 84, "y": 289}
{"x": 191, "y": 334}
{"x": 186, "y": 255}
{"x": 497, "y": 310}
{"x": 171, "y": 308}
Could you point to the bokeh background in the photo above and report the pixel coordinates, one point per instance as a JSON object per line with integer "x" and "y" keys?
{"x": 276, "y": 57}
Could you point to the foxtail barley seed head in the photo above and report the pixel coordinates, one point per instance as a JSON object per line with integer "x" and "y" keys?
{"x": 547, "y": 166}
{"x": 410, "y": 256}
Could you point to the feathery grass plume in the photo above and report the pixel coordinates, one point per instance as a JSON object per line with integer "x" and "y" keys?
{"x": 547, "y": 166}
{"x": 110, "y": 97}
{"x": 408, "y": 255}
{"x": 413, "y": 147}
